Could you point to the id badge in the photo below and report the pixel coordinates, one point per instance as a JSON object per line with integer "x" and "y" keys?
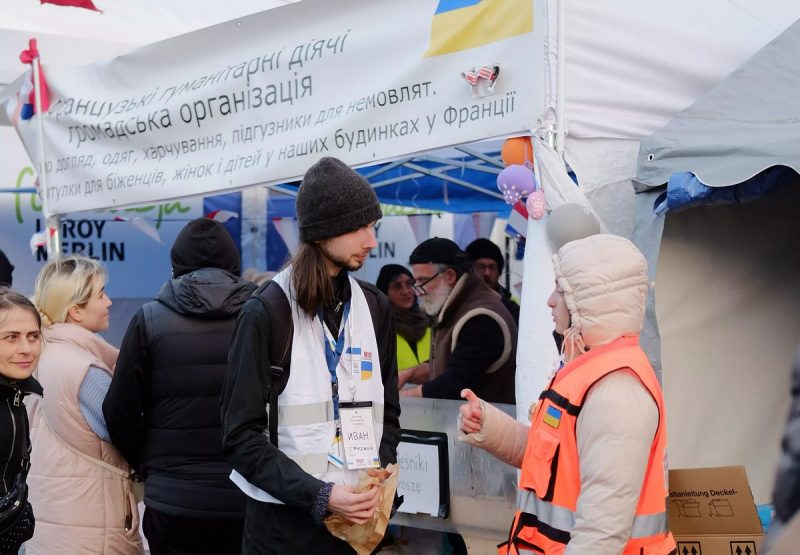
{"x": 358, "y": 435}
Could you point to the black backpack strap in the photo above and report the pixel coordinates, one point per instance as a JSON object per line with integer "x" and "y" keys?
{"x": 280, "y": 347}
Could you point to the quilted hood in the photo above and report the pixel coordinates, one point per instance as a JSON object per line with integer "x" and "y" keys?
{"x": 604, "y": 280}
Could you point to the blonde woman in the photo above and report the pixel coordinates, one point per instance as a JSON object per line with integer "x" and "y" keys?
{"x": 78, "y": 481}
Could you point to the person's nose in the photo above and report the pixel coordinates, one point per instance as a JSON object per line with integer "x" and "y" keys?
{"x": 370, "y": 242}
{"x": 25, "y": 346}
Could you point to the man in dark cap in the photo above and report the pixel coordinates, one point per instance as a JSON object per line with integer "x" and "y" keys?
{"x": 487, "y": 263}
{"x": 313, "y": 366}
{"x": 475, "y": 340}
{"x": 162, "y": 409}
{"x": 6, "y": 269}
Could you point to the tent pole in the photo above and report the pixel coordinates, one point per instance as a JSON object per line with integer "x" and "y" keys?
{"x": 52, "y": 221}
{"x": 508, "y": 264}
{"x": 457, "y": 181}
{"x": 561, "y": 72}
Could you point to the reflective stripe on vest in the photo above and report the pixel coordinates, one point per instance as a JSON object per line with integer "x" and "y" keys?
{"x": 563, "y": 519}
{"x": 557, "y": 517}
{"x": 316, "y": 413}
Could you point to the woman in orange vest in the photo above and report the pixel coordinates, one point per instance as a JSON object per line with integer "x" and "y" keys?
{"x": 593, "y": 460}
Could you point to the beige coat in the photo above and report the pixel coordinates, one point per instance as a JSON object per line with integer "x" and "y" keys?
{"x": 604, "y": 280}
{"x": 80, "y": 506}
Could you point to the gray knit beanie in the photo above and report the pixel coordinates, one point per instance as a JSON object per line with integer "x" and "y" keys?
{"x": 334, "y": 200}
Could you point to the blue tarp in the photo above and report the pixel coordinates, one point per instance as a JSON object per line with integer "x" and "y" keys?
{"x": 410, "y": 185}
{"x": 684, "y": 190}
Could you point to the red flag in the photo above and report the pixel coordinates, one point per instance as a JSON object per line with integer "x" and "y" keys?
{"x": 27, "y": 93}
{"x": 87, "y": 4}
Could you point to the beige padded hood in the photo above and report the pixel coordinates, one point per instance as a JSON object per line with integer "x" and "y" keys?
{"x": 604, "y": 280}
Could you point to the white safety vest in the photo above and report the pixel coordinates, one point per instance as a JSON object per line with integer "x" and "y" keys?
{"x": 306, "y": 426}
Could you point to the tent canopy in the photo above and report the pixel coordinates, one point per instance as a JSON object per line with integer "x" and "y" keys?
{"x": 744, "y": 125}
{"x": 458, "y": 180}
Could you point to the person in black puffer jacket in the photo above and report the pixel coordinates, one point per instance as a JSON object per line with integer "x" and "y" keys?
{"x": 162, "y": 409}
{"x": 20, "y": 346}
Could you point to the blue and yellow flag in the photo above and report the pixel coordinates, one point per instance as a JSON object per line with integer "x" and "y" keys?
{"x": 552, "y": 417}
{"x": 462, "y": 24}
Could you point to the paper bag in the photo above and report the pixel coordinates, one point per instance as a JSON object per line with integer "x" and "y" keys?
{"x": 364, "y": 538}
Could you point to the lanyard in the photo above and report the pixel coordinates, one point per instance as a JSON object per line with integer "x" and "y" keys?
{"x": 333, "y": 354}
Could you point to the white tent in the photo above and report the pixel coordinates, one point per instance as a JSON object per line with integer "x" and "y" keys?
{"x": 616, "y": 72}
{"x": 625, "y": 72}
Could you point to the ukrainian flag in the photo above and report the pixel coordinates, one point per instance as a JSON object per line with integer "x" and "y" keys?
{"x": 462, "y": 24}
{"x": 552, "y": 417}
{"x": 366, "y": 370}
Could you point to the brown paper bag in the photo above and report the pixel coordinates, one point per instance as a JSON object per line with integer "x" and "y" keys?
{"x": 364, "y": 538}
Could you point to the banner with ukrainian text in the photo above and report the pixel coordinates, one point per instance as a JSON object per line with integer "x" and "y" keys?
{"x": 259, "y": 99}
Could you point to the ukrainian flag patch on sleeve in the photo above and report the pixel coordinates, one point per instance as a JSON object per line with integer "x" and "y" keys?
{"x": 552, "y": 417}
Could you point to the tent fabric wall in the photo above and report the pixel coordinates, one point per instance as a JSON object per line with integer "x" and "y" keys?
{"x": 728, "y": 306}
{"x": 629, "y": 70}
{"x": 744, "y": 125}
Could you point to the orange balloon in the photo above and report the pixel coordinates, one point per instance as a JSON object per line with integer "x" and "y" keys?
{"x": 517, "y": 150}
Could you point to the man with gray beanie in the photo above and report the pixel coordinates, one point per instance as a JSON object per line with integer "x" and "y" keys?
{"x": 162, "y": 408}
{"x": 475, "y": 337}
{"x": 313, "y": 366}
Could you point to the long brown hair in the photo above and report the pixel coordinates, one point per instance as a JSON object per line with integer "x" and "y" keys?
{"x": 312, "y": 284}
{"x": 11, "y": 299}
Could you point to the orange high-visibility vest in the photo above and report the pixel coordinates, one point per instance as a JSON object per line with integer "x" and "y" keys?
{"x": 550, "y": 480}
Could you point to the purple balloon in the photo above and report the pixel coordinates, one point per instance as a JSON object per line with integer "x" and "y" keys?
{"x": 515, "y": 182}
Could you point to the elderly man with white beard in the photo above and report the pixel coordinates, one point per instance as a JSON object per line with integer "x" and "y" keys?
{"x": 475, "y": 337}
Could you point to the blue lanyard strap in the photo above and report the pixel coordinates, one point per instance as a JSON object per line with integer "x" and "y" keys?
{"x": 333, "y": 353}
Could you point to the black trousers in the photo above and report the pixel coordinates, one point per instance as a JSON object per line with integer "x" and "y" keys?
{"x": 177, "y": 535}
{"x": 270, "y": 528}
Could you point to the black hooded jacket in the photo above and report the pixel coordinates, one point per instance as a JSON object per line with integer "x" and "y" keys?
{"x": 162, "y": 409}
{"x": 14, "y": 428}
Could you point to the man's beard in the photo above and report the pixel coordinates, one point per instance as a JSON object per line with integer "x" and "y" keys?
{"x": 351, "y": 264}
{"x": 433, "y": 302}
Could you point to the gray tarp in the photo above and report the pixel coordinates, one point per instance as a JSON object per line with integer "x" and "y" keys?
{"x": 748, "y": 122}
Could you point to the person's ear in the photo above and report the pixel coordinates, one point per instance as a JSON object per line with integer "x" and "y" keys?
{"x": 451, "y": 277}
{"x": 74, "y": 313}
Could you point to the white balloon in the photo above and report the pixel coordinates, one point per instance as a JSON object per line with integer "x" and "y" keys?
{"x": 570, "y": 222}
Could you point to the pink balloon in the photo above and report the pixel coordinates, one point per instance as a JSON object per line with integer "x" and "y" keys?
{"x": 536, "y": 205}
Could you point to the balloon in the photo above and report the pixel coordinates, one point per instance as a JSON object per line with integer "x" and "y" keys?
{"x": 517, "y": 151}
{"x": 570, "y": 222}
{"x": 536, "y": 205}
{"x": 516, "y": 182}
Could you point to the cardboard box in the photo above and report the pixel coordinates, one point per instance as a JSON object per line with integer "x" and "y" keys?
{"x": 712, "y": 512}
